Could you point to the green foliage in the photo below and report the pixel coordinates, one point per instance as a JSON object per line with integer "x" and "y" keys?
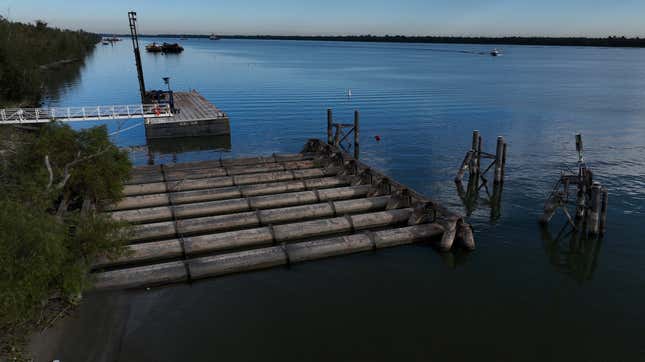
{"x": 31, "y": 252}
{"x": 45, "y": 252}
{"x": 25, "y": 48}
{"x": 96, "y": 167}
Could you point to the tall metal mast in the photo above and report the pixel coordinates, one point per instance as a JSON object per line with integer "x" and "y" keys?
{"x": 132, "y": 17}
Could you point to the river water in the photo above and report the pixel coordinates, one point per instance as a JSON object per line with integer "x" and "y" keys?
{"x": 522, "y": 295}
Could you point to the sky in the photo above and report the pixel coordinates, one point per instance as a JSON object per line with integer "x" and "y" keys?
{"x": 336, "y": 17}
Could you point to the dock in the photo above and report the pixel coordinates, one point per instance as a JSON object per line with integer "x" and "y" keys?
{"x": 207, "y": 219}
{"x": 193, "y": 116}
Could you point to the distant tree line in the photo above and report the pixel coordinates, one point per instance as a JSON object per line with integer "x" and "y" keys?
{"x": 27, "y": 51}
{"x": 612, "y": 41}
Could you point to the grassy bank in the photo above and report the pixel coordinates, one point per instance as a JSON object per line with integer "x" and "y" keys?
{"x": 29, "y": 51}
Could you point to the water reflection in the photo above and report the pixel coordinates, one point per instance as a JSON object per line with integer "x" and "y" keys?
{"x": 472, "y": 199}
{"x": 163, "y": 147}
{"x": 56, "y": 79}
{"x": 456, "y": 258}
{"x": 572, "y": 252}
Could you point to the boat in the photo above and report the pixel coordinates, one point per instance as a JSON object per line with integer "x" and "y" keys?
{"x": 171, "y": 48}
{"x": 154, "y": 48}
{"x": 105, "y": 42}
{"x": 213, "y": 37}
{"x": 495, "y": 52}
{"x": 113, "y": 38}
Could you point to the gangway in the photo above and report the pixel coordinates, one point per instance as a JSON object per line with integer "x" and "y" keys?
{"x": 78, "y": 114}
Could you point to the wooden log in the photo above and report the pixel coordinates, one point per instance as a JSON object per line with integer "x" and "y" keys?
{"x": 228, "y": 181}
{"x": 224, "y": 241}
{"x": 357, "y": 151}
{"x": 235, "y": 162}
{"x": 190, "y": 174}
{"x": 449, "y": 234}
{"x": 217, "y": 223}
{"x": 162, "y": 213}
{"x": 243, "y": 261}
{"x": 594, "y": 211}
{"x": 184, "y": 197}
{"x": 499, "y": 156}
{"x": 465, "y": 235}
{"x": 330, "y": 127}
{"x": 603, "y": 211}
{"x": 157, "y": 274}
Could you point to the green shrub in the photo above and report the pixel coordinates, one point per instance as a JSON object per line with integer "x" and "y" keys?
{"x": 47, "y": 249}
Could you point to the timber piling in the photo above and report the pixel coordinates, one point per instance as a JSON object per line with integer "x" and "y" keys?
{"x": 211, "y": 218}
{"x": 477, "y": 180}
{"x": 590, "y": 202}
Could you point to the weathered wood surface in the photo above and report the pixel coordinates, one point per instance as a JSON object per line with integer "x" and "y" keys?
{"x": 266, "y": 217}
{"x": 196, "y": 117}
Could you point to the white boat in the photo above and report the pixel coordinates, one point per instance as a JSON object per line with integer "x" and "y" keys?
{"x": 213, "y": 37}
{"x": 495, "y": 52}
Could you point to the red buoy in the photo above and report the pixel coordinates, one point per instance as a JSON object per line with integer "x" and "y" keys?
{"x": 377, "y": 138}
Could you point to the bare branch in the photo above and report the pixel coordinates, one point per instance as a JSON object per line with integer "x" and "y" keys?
{"x": 66, "y": 171}
{"x": 51, "y": 172}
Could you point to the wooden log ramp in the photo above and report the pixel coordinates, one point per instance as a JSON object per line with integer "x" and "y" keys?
{"x": 205, "y": 219}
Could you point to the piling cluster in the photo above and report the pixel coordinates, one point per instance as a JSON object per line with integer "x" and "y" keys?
{"x": 477, "y": 179}
{"x": 210, "y": 218}
{"x": 590, "y": 202}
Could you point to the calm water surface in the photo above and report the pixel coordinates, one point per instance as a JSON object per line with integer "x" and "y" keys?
{"x": 520, "y": 296}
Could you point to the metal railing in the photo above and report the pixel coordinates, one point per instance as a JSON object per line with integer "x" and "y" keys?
{"x": 77, "y": 114}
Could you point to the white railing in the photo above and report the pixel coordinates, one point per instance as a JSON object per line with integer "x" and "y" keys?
{"x": 77, "y": 114}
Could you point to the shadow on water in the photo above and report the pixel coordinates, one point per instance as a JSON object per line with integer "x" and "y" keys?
{"x": 572, "y": 252}
{"x": 163, "y": 147}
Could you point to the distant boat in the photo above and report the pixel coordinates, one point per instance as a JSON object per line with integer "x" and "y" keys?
{"x": 112, "y": 39}
{"x": 171, "y": 48}
{"x": 496, "y": 52}
{"x": 154, "y": 48}
{"x": 213, "y": 37}
{"x": 105, "y": 42}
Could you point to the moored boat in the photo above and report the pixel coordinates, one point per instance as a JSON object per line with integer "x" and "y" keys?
{"x": 171, "y": 48}
{"x": 153, "y": 48}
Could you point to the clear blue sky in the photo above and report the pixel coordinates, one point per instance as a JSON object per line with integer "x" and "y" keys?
{"x": 322, "y": 17}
